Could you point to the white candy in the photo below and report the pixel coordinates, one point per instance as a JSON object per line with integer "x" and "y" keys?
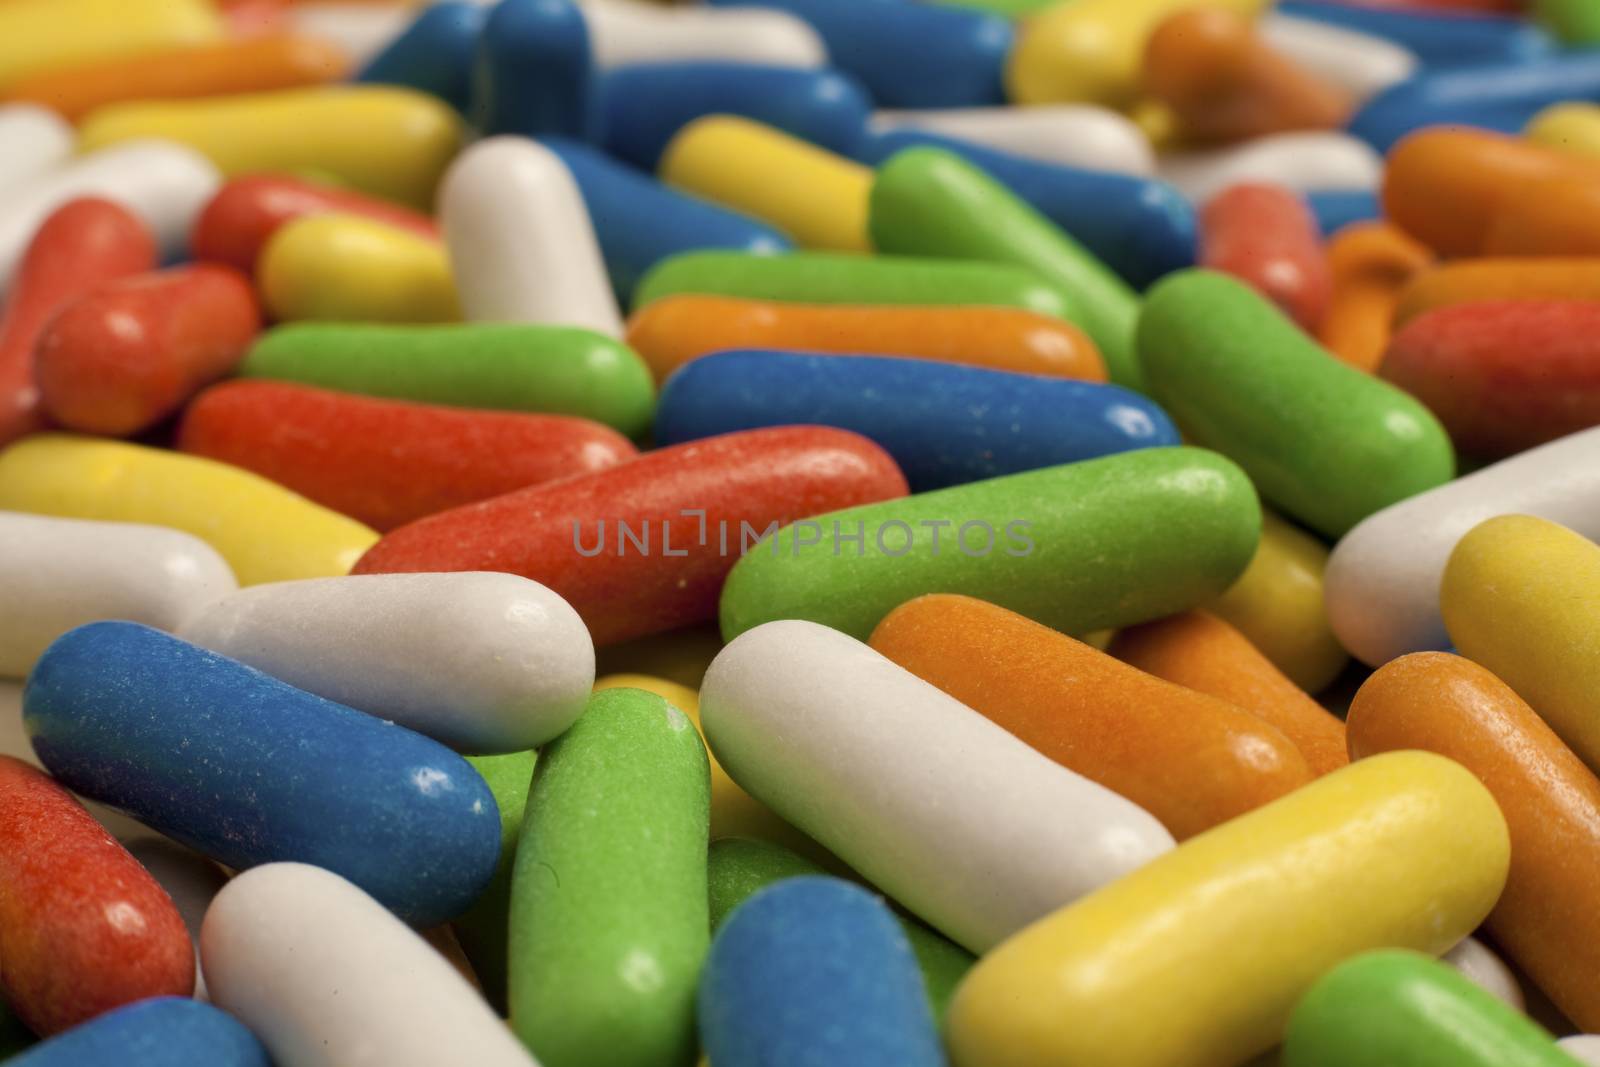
{"x": 1585, "y": 1048}
{"x": 945, "y": 811}
{"x": 1304, "y": 162}
{"x": 1074, "y": 135}
{"x": 629, "y": 31}
{"x": 483, "y": 661}
{"x": 362, "y": 30}
{"x": 35, "y": 140}
{"x": 191, "y": 880}
{"x": 164, "y": 183}
{"x": 1359, "y": 63}
{"x": 325, "y": 976}
{"x": 56, "y": 574}
{"x": 521, "y": 244}
{"x": 1382, "y": 583}
{"x": 1486, "y": 970}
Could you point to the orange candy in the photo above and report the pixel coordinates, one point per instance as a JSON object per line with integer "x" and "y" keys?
{"x": 1371, "y": 264}
{"x": 1474, "y": 281}
{"x": 1557, "y": 217}
{"x": 1199, "y": 651}
{"x": 1546, "y": 919}
{"x": 1189, "y": 759}
{"x": 670, "y": 332}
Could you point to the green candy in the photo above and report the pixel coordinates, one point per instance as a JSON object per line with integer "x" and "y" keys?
{"x": 1084, "y": 546}
{"x": 1402, "y": 1009}
{"x": 557, "y": 370}
{"x": 1323, "y": 441}
{"x": 737, "y": 868}
{"x": 1576, "y": 22}
{"x": 609, "y": 920}
{"x": 930, "y": 202}
{"x": 835, "y": 278}
{"x": 482, "y": 930}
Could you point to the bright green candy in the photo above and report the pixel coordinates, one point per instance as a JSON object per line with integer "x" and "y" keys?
{"x": 930, "y": 202}
{"x": 835, "y": 278}
{"x": 737, "y": 868}
{"x": 482, "y": 930}
{"x": 1576, "y": 22}
{"x": 1323, "y": 441}
{"x": 1402, "y": 1009}
{"x": 557, "y": 370}
{"x": 1085, "y": 546}
{"x": 609, "y": 921}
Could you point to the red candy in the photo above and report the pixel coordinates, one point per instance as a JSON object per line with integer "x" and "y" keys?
{"x": 389, "y": 462}
{"x": 1266, "y": 236}
{"x": 236, "y": 225}
{"x": 1505, "y": 375}
{"x": 83, "y": 927}
{"x": 82, "y": 244}
{"x": 132, "y": 351}
{"x": 553, "y": 534}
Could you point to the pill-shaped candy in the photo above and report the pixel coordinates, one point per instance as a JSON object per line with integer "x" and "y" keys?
{"x": 1463, "y": 39}
{"x": 127, "y": 354}
{"x": 192, "y": 744}
{"x": 1403, "y": 1009}
{"x": 361, "y": 29}
{"x": 37, "y": 140}
{"x": 1265, "y": 236}
{"x": 437, "y": 53}
{"x": 1035, "y": 543}
{"x": 1322, "y": 441}
{"x": 535, "y": 73}
{"x": 1585, "y": 1048}
{"x": 815, "y": 969}
{"x": 610, "y": 886}
{"x": 159, "y": 1032}
{"x": 1360, "y": 63}
{"x": 481, "y": 929}
{"x": 325, "y": 976}
{"x": 1467, "y": 281}
{"x": 1335, "y": 209}
{"x": 1549, "y": 217}
{"x": 62, "y": 573}
{"x": 645, "y": 547}
{"x": 86, "y": 928}
{"x": 1572, "y": 127}
{"x": 867, "y": 751}
{"x": 1076, "y": 135}
{"x": 375, "y": 643}
{"x": 349, "y": 268}
{"x": 1551, "y": 801}
{"x": 944, "y": 424}
{"x": 634, "y": 32}
{"x": 1370, "y": 264}
{"x": 1573, "y": 21}
{"x": 43, "y": 34}
{"x": 1474, "y": 961}
{"x": 1404, "y": 849}
{"x": 191, "y": 880}
{"x": 1307, "y": 162}
{"x": 553, "y": 369}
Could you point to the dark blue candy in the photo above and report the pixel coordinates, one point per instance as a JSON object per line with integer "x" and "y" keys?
{"x": 1337, "y": 208}
{"x": 646, "y": 104}
{"x": 1455, "y": 39}
{"x": 814, "y": 972}
{"x": 640, "y": 221}
{"x": 908, "y": 53}
{"x": 161, "y": 1032}
{"x": 944, "y": 423}
{"x": 436, "y": 53}
{"x": 249, "y": 770}
{"x": 535, "y": 71}
{"x": 1142, "y": 228}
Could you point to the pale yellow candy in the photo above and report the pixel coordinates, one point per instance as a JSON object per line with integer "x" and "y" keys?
{"x": 1573, "y": 128}
{"x": 342, "y": 268}
{"x": 816, "y": 197}
{"x": 39, "y": 35}
{"x": 1196, "y": 959}
{"x": 389, "y": 142}
{"x": 1092, "y": 51}
{"x": 265, "y": 532}
{"x": 1521, "y": 596}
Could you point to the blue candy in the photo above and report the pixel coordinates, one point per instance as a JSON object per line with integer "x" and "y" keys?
{"x": 435, "y": 54}
{"x": 640, "y": 221}
{"x": 944, "y": 423}
{"x": 1337, "y": 208}
{"x": 1142, "y": 228}
{"x": 161, "y": 1032}
{"x": 250, "y": 770}
{"x": 907, "y": 53}
{"x": 535, "y": 71}
{"x": 814, "y": 972}
{"x": 645, "y": 104}
{"x": 1456, "y": 39}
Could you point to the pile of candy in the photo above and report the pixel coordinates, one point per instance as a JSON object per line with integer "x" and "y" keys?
{"x": 800, "y": 533}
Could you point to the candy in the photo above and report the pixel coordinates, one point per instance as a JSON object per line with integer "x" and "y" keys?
{"x": 1585, "y": 1048}
{"x": 608, "y": 901}
{"x": 535, "y": 71}
{"x": 815, "y": 970}
{"x": 1361, "y": 63}
{"x": 36, "y": 139}
{"x": 191, "y": 880}
{"x": 1574, "y": 21}
{"x": 1101, "y": 543}
{"x": 1322, "y": 441}
{"x": 1074, "y": 135}
{"x": 341, "y": 268}
{"x": 42, "y": 34}
{"x": 1462, "y": 39}
{"x": 1371, "y": 264}
{"x": 1307, "y": 162}
{"x": 628, "y": 32}
{"x": 1572, "y": 127}
{"x": 361, "y": 29}
{"x": 436, "y": 53}
{"x": 1265, "y": 236}
{"x": 1199, "y": 956}
{"x": 160, "y": 1032}
{"x": 324, "y": 975}
{"x": 1475, "y": 962}
{"x": 1470, "y": 281}
{"x": 870, "y": 755}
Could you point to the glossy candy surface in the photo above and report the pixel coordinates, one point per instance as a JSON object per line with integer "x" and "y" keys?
{"x": 1370, "y": 263}
{"x": 354, "y": 268}
{"x": 1495, "y": 278}
{"x": 535, "y": 71}
{"x": 1265, "y": 236}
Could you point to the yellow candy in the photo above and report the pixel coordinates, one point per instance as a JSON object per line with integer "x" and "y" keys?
{"x": 680, "y": 655}
{"x": 38, "y": 35}
{"x": 814, "y": 196}
{"x": 1573, "y": 128}
{"x": 1277, "y": 603}
{"x": 391, "y": 143}
{"x": 342, "y": 268}
{"x": 1521, "y": 596}
{"x": 265, "y": 532}
{"x": 1196, "y": 959}
{"x": 1091, "y": 51}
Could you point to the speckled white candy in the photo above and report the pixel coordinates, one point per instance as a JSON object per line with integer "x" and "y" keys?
{"x": 945, "y": 811}
{"x": 1585, "y": 1048}
{"x": 56, "y": 574}
{"x": 1359, "y": 63}
{"x": 630, "y": 31}
{"x": 36, "y": 139}
{"x": 1382, "y": 582}
{"x": 325, "y": 976}
{"x": 483, "y": 661}
{"x": 1483, "y": 968}
{"x": 1075, "y": 135}
{"x": 1302, "y": 161}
